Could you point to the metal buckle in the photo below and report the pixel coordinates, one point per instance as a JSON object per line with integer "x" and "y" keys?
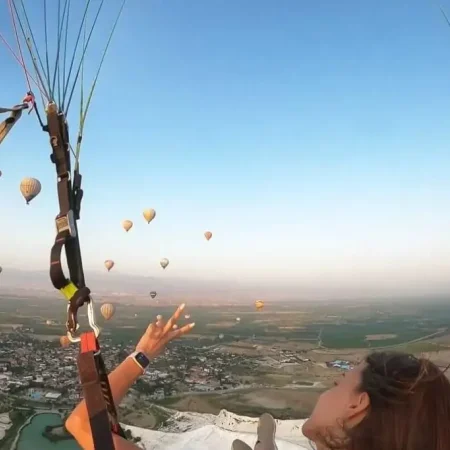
{"x": 91, "y": 319}
{"x": 66, "y": 223}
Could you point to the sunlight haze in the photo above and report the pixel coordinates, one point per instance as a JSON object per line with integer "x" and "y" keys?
{"x": 311, "y": 139}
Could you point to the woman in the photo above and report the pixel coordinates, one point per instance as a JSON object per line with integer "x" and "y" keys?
{"x": 153, "y": 342}
{"x": 391, "y": 401}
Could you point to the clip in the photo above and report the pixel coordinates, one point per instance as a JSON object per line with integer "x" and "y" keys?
{"x": 73, "y": 325}
{"x": 66, "y": 223}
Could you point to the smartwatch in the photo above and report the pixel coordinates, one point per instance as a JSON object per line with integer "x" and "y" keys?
{"x": 140, "y": 359}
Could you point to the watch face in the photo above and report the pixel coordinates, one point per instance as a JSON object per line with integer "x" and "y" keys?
{"x": 142, "y": 360}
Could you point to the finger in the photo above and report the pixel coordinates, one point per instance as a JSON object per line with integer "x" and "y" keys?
{"x": 151, "y": 327}
{"x": 179, "y": 332}
{"x": 155, "y": 327}
{"x": 170, "y": 323}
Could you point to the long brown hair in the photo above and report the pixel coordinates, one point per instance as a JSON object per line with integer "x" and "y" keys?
{"x": 409, "y": 406}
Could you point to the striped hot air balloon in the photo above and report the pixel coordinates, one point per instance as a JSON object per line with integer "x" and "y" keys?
{"x": 259, "y": 305}
{"x": 107, "y": 310}
{"x": 30, "y": 188}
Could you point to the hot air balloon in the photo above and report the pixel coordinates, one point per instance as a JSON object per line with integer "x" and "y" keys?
{"x": 127, "y": 225}
{"x": 149, "y": 215}
{"x": 259, "y": 305}
{"x": 187, "y": 316}
{"x": 153, "y": 294}
{"x": 1, "y": 173}
{"x": 107, "y": 310}
{"x": 30, "y": 188}
{"x": 164, "y": 263}
{"x": 64, "y": 341}
{"x": 208, "y": 235}
{"x": 109, "y": 264}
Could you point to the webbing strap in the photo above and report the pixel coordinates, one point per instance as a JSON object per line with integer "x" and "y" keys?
{"x": 93, "y": 375}
{"x": 97, "y": 393}
{"x": 95, "y": 402}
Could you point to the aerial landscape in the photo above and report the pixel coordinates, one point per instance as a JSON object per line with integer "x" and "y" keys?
{"x": 279, "y": 359}
{"x": 224, "y": 224}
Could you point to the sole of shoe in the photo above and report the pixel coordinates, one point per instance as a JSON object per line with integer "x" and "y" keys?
{"x": 267, "y": 428}
{"x": 240, "y": 445}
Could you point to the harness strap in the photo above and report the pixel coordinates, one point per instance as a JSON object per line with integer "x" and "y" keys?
{"x": 93, "y": 375}
{"x": 89, "y": 368}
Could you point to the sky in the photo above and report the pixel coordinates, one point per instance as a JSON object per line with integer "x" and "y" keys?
{"x": 311, "y": 138}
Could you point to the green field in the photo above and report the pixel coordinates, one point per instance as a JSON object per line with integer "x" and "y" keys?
{"x": 340, "y": 325}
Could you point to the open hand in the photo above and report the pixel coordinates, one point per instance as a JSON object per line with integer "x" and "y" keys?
{"x": 159, "y": 334}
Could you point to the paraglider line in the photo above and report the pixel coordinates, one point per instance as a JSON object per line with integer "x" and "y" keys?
{"x": 65, "y": 48}
{"x": 46, "y": 49}
{"x": 21, "y": 63}
{"x": 31, "y": 46}
{"x": 67, "y": 80}
{"x": 56, "y": 72}
{"x": 91, "y": 93}
{"x": 82, "y": 56}
{"x": 18, "y": 44}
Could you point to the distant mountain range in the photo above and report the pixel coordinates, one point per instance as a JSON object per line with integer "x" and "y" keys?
{"x": 37, "y": 283}
{"x": 136, "y": 288}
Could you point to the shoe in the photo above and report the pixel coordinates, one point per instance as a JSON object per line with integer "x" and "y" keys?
{"x": 266, "y": 433}
{"x": 240, "y": 445}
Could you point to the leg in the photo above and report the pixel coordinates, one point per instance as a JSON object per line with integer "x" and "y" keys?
{"x": 266, "y": 433}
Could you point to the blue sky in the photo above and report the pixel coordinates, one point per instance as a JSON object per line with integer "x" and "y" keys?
{"x": 312, "y": 139}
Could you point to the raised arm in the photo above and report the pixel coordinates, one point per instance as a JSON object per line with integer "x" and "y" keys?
{"x": 154, "y": 340}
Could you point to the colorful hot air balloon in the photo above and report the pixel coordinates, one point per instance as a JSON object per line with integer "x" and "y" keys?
{"x": 153, "y": 294}
{"x": 109, "y": 264}
{"x": 149, "y": 215}
{"x": 107, "y": 310}
{"x": 30, "y": 188}
{"x": 127, "y": 225}
{"x": 64, "y": 341}
{"x": 164, "y": 263}
{"x": 259, "y": 305}
{"x": 208, "y": 235}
